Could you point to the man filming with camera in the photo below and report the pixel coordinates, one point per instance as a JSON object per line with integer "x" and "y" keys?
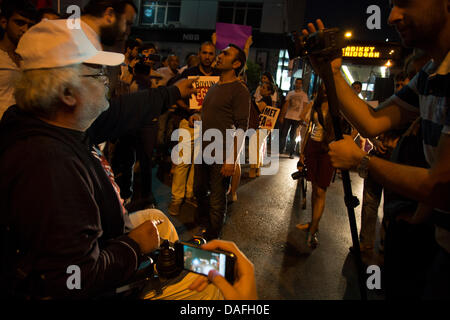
{"x": 424, "y": 25}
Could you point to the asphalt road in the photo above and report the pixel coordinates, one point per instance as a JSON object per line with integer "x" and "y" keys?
{"x": 262, "y": 224}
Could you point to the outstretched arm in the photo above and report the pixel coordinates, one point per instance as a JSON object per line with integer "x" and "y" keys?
{"x": 368, "y": 121}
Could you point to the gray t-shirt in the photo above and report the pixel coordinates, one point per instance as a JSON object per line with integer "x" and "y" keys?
{"x": 226, "y": 106}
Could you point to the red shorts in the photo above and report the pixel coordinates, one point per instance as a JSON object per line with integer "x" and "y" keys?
{"x": 318, "y": 164}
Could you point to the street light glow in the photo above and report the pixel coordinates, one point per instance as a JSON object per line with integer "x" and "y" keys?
{"x": 348, "y": 34}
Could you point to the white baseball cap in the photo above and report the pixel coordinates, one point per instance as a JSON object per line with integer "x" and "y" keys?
{"x": 53, "y": 44}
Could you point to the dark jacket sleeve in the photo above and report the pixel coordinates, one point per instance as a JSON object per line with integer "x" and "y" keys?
{"x": 58, "y": 223}
{"x": 130, "y": 112}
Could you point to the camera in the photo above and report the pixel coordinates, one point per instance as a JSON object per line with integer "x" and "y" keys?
{"x": 152, "y": 57}
{"x": 172, "y": 258}
{"x": 299, "y": 174}
{"x": 326, "y": 43}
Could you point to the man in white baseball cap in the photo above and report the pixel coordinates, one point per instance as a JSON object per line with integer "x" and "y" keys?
{"x": 58, "y": 202}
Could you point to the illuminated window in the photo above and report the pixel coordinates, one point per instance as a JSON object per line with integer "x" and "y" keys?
{"x": 160, "y": 12}
{"x": 244, "y": 13}
{"x": 283, "y": 79}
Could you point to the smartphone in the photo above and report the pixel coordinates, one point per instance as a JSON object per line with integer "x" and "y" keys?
{"x": 192, "y": 258}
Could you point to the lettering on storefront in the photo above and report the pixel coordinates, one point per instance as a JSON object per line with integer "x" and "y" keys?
{"x": 360, "y": 52}
{"x": 191, "y": 37}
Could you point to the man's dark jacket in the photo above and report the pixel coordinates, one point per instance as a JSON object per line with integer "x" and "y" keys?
{"x": 59, "y": 205}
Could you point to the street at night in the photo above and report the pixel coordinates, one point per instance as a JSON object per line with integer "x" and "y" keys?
{"x": 265, "y": 151}
{"x": 262, "y": 223}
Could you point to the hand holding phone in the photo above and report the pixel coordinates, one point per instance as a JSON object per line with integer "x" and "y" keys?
{"x": 244, "y": 286}
{"x": 198, "y": 260}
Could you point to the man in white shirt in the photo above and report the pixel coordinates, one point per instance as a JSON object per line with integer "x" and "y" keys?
{"x": 290, "y": 117}
{"x": 15, "y": 19}
{"x": 170, "y": 71}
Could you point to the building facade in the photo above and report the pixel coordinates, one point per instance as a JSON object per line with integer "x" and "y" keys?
{"x": 180, "y": 26}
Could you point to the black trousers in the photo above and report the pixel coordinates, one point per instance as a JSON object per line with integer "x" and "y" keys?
{"x": 291, "y": 126}
{"x": 409, "y": 253}
{"x": 210, "y": 189}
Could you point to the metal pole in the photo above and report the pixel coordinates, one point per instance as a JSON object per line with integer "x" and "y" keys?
{"x": 351, "y": 201}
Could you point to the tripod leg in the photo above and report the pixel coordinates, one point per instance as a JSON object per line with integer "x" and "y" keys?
{"x": 304, "y": 186}
{"x": 350, "y": 201}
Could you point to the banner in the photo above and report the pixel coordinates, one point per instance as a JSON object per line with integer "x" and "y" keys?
{"x": 202, "y": 84}
{"x": 227, "y": 33}
{"x": 268, "y": 118}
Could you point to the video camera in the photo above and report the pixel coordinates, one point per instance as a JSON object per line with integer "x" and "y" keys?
{"x": 327, "y": 43}
{"x": 152, "y": 57}
{"x": 301, "y": 173}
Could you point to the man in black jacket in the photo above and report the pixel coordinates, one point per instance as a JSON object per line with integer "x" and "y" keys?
{"x": 59, "y": 204}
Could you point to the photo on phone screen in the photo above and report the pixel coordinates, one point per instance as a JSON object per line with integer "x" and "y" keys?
{"x": 202, "y": 261}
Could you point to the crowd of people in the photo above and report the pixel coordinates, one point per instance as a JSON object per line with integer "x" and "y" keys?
{"x": 88, "y": 112}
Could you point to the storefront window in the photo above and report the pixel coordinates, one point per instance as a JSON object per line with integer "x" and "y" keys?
{"x": 160, "y": 12}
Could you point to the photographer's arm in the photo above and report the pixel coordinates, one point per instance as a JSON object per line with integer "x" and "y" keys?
{"x": 365, "y": 119}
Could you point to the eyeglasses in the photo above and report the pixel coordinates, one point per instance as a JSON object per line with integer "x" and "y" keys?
{"x": 99, "y": 76}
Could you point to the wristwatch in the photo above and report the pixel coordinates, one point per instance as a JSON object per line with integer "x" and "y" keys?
{"x": 363, "y": 167}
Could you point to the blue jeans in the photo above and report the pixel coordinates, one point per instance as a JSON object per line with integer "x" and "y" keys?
{"x": 210, "y": 189}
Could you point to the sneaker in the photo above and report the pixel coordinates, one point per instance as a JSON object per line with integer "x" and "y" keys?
{"x": 174, "y": 208}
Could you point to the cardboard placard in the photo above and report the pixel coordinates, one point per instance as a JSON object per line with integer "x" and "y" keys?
{"x": 202, "y": 84}
{"x": 227, "y": 33}
{"x": 268, "y": 118}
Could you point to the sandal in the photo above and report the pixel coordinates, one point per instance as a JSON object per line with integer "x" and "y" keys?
{"x": 313, "y": 240}
{"x": 303, "y": 226}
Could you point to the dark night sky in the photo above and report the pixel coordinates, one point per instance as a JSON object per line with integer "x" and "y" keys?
{"x": 351, "y": 15}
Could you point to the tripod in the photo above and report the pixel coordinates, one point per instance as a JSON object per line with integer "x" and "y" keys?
{"x": 351, "y": 202}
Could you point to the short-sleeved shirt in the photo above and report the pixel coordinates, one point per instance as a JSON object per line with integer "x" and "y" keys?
{"x": 296, "y": 102}
{"x": 428, "y": 95}
{"x": 167, "y": 74}
{"x": 9, "y": 75}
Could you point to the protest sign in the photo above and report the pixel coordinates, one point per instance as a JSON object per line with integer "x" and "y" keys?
{"x": 227, "y": 33}
{"x": 268, "y": 118}
{"x": 202, "y": 84}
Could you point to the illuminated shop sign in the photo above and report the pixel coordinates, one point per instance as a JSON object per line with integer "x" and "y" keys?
{"x": 380, "y": 52}
{"x": 361, "y": 52}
